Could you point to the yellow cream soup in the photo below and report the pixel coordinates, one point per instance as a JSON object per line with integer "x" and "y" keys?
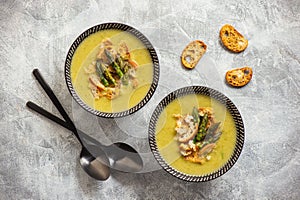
{"x": 168, "y": 146}
{"x": 86, "y": 53}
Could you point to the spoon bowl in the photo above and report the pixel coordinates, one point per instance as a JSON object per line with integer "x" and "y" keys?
{"x": 123, "y": 157}
{"x": 95, "y": 166}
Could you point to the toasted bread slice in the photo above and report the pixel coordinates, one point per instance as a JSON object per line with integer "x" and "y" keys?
{"x": 232, "y": 39}
{"x": 188, "y": 136}
{"x": 192, "y": 53}
{"x": 239, "y": 77}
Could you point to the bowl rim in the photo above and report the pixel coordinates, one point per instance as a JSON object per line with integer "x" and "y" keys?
{"x": 116, "y": 26}
{"x": 202, "y": 90}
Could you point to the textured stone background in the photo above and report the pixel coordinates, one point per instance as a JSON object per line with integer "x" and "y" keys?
{"x": 39, "y": 160}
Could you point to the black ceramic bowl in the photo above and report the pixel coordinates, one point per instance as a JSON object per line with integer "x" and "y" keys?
{"x": 217, "y": 96}
{"x": 112, "y": 26}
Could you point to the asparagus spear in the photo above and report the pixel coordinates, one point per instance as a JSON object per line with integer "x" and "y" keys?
{"x": 100, "y": 73}
{"x": 215, "y": 138}
{"x": 124, "y": 68}
{"x": 114, "y": 63}
{"x": 120, "y": 62}
{"x": 125, "y": 79}
{"x": 195, "y": 115}
{"x": 107, "y": 74}
{"x": 212, "y": 129}
{"x": 213, "y": 134}
{"x": 202, "y": 128}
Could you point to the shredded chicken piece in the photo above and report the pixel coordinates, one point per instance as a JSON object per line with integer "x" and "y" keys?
{"x": 124, "y": 50}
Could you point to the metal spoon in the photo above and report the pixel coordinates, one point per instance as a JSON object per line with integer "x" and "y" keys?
{"x": 93, "y": 161}
{"x": 121, "y": 156}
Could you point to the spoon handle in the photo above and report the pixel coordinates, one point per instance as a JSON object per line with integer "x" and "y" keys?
{"x": 59, "y": 121}
{"x": 55, "y": 101}
{"x": 48, "y": 115}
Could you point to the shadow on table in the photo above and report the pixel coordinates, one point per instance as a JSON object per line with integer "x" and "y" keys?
{"x": 151, "y": 185}
{"x": 160, "y": 185}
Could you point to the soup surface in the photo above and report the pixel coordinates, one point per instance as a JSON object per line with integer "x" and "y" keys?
{"x": 86, "y": 53}
{"x": 168, "y": 145}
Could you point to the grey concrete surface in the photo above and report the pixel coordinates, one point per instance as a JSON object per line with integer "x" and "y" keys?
{"x": 39, "y": 159}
